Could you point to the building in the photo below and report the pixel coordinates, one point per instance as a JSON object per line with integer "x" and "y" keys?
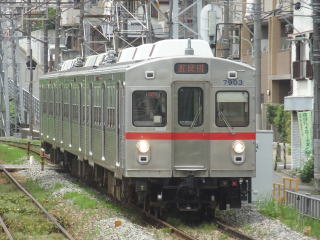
{"x": 301, "y": 98}
{"x": 275, "y": 46}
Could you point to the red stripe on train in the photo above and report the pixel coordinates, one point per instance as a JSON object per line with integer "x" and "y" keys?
{"x": 189, "y": 136}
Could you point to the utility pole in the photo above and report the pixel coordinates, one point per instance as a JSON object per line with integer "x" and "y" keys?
{"x": 316, "y": 102}
{"x": 174, "y": 15}
{"x": 198, "y": 17}
{"x": 45, "y": 39}
{"x": 14, "y": 74}
{"x": 257, "y": 60}
{"x": 57, "y": 35}
{"x": 3, "y": 130}
{"x": 149, "y": 36}
{"x": 81, "y": 30}
{"x": 29, "y": 50}
{"x": 226, "y": 45}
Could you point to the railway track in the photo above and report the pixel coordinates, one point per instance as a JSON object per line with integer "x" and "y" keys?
{"x": 223, "y": 227}
{"x": 6, "y": 229}
{"x": 150, "y": 219}
{"x": 37, "y": 204}
{"x": 231, "y": 231}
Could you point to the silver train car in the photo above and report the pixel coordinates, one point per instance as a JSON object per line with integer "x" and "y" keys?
{"x": 165, "y": 124}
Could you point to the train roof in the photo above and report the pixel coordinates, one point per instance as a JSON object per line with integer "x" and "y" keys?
{"x": 136, "y": 56}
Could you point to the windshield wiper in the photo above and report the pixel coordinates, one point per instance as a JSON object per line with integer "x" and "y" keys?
{"x": 221, "y": 115}
{"x": 195, "y": 118}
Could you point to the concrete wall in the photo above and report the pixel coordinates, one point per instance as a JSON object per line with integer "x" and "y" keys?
{"x": 262, "y": 183}
{"x": 283, "y": 67}
{"x": 300, "y": 22}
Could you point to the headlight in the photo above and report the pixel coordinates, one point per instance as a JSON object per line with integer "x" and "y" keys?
{"x": 238, "y": 147}
{"x": 143, "y": 146}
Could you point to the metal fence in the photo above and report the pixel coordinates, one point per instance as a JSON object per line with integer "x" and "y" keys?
{"x": 305, "y": 204}
{"x": 36, "y": 106}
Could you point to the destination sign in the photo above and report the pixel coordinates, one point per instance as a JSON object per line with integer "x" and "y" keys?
{"x": 191, "y": 68}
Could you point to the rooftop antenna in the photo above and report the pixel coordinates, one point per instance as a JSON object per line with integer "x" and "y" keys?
{"x": 189, "y": 50}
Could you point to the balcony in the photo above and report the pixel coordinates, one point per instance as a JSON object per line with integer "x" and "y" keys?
{"x": 298, "y": 103}
{"x": 302, "y": 70}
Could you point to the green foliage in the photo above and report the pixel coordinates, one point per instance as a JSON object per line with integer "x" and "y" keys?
{"x": 307, "y": 171}
{"x": 20, "y": 140}
{"x": 223, "y": 237}
{"x": 14, "y": 155}
{"x": 289, "y": 216}
{"x": 22, "y": 216}
{"x": 81, "y": 200}
{"x": 57, "y": 186}
{"x": 271, "y": 113}
{"x": 280, "y": 120}
{"x": 11, "y": 155}
{"x": 36, "y": 25}
{"x": 52, "y": 15}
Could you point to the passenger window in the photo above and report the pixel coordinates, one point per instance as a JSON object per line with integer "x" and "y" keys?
{"x": 232, "y": 108}
{"x": 190, "y": 106}
{"x": 149, "y": 108}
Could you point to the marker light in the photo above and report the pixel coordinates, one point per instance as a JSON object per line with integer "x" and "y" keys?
{"x": 143, "y": 146}
{"x": 238, "y": 147}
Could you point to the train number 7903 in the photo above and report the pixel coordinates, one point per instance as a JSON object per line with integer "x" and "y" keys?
{"x": 233, "y": 82}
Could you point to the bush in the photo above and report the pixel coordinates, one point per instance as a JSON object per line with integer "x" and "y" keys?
{"x": 307, "y": 171}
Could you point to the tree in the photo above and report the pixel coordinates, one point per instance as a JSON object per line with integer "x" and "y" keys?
{"x": 281, "y": 122}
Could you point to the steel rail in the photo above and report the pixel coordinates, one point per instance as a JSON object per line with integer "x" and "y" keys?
{"x": 5, "y": 229}
{"x": 232, "y": 231}
{"x": 38, "y": 204}
{"x": 175, "y": 230}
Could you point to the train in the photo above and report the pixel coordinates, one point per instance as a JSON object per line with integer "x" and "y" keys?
{"x": 162, "y": 125}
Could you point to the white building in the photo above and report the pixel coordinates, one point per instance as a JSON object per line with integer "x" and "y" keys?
{"x": 301, "y": 75}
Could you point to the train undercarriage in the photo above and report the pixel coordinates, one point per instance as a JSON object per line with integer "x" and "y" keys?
{"x": 157, "y": 195}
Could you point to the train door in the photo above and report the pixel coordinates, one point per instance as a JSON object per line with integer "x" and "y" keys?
{"x": 191, "y": 127}
{"x": 120, "y": 131}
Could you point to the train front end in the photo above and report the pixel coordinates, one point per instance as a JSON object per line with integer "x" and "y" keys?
{"x": 190, "y": 131}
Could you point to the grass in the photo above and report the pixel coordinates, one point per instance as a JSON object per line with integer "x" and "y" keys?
{"x": 80, "y": 199}
{"x": 290, "y": 217}
{"x": 24, "y": 219}
{"x": 223, "y": 237}
{"x": 57, "y": 186}
{"x": 13, "y": 155}
{"x": 20, "y": 140}
{"x": 36, "y": 190}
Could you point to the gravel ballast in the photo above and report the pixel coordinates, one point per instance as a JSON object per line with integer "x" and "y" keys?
{"x": 101, "y": 224}
{"x": 249, "y": 220}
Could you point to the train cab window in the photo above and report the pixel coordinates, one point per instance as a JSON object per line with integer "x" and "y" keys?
{"x": 190, "y": 106}
{"x": 232, "y": 109}
{"x": 149, "y": 108}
